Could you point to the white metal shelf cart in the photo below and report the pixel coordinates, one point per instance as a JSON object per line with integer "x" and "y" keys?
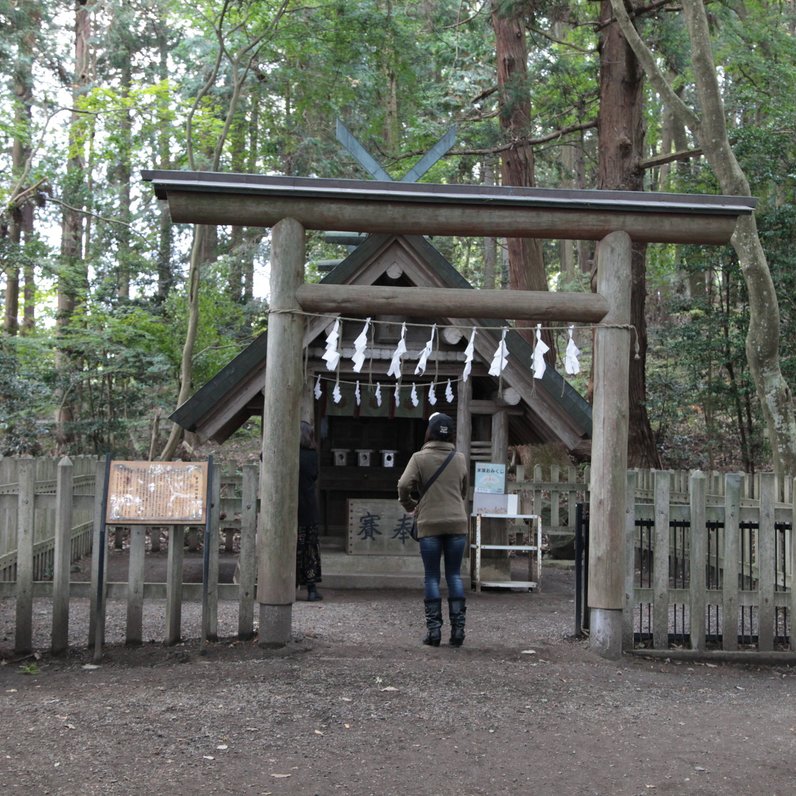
{"x": 532, "y": 530}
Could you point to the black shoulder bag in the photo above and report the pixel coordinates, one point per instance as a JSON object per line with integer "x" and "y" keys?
{"x": 422, "y": 491}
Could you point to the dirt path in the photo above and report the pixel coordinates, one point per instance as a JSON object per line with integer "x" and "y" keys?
{"x": 357, "y": 706}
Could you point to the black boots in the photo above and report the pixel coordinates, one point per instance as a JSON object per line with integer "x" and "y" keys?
{"x": 456, "y": 610}
{"x": 312, "y": 593}
{"x": 433, "y": 622}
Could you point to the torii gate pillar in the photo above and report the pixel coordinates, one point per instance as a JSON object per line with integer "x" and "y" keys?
{"x": 610, "y": 412}
{"x": 284, "y": 382}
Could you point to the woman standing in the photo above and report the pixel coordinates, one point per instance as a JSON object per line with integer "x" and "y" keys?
{"x": 434, "y": 486}
{"x": 308, "y": 553}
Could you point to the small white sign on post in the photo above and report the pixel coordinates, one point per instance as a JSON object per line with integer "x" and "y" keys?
{"x": 489, "y": 493}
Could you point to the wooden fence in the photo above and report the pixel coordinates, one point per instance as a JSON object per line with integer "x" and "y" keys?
{"x": 727, "y": 587}
{"x": 50, "y": 516}
{"x": 553, "y": 493}
{"x": 710, "y": 566}
{"x": 29, "y": 499}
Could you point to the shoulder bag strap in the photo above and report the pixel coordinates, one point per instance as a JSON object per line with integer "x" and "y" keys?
{"x": 434, "y": 477}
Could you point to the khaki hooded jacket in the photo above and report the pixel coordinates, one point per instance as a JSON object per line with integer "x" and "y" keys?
{"x": 443, "y": 509}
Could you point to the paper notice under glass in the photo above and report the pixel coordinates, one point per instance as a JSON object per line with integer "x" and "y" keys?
{"x": 157, "y": 493}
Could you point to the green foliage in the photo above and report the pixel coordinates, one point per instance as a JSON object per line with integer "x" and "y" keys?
{"x": 699, "y": 386}
{"x": 222, "y": 332}
{"x": 398, "y": 74}
{"x": 25, "y": 397}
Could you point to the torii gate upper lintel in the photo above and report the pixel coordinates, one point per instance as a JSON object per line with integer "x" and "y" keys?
{"x": 292, "y": 205}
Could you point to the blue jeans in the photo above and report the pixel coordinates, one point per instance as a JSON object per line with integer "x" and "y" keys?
{"x": 432, "y": 549}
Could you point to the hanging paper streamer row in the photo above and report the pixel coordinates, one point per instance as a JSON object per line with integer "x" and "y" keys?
{"x": 500, "y": 359}
{"x": 414, "y": 391}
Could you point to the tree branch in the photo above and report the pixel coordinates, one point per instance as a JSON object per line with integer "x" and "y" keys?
{"x": 99, "y": 217}
{"x": 669, "y": 157}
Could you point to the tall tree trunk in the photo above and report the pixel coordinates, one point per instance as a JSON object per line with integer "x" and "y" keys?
{"x": 165, "y": 228}
{"x": 22, "y": 81}
{"x": 123, "y": 178}
{"x": 72, "y": 277}
{"x": 237, "y": 235}
{"x": 526, "y": 264}
{"x": 762, "y": 340}
{"x": 29, "y": 274}
{"x": 567, "y": 249}
{"x": 186, "y": 362}
{"x": 251, "y": 234}
{"x": 11, "y": 268}
{"x": 621, "y": 135}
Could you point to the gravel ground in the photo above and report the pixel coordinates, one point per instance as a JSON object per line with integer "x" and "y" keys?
{"x": 357, "y": 706}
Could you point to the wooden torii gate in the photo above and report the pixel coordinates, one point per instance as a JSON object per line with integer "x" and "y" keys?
{"x": 292, "y": 205}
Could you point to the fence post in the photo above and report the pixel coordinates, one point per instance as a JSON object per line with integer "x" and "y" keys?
{"x": 660, "y": 563}
{"x": 697, "y": 561}
{"x": 792, "y": 611}
{"x": 174, "y": 583}
{"x": 62, "y": 558}
{"x": 766, "y": 562}
{"x": 538, "y": 501}
{"x": 135, "y": 585}
{"x": 210, "y": 609}
{"x": 96, "y": 620}
{"x": 729, "y": 585}
{"x": 572, "y": 477}
{"x": 26, "y": 497}
{"x": 555, "y": 496}
{"x": 630, "y": 560}
{"x": 246, "y": 556}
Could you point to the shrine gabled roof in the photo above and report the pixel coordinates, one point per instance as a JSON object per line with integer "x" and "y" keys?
{"x": 552, "y": 390}
{"x": 551, "y": 406}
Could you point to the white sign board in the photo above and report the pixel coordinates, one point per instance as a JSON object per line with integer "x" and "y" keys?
{"x": 490, "y": 477}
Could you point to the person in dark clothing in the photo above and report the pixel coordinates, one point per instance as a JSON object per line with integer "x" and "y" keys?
{"x": 442, "y": 523}
{"x": 308, "y": 553}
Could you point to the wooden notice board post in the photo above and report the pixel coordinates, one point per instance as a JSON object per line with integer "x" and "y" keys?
{"x": 150, "y": 493}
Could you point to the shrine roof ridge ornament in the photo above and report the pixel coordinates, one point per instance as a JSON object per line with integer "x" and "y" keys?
{"x": 382, "y": 191}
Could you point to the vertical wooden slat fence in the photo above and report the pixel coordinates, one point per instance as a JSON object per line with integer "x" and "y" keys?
{"x": 554, "y": 499}
{"x": 709, "y": 558}
{"x": 721, "y": 564}
{"x": 50, "y": 516}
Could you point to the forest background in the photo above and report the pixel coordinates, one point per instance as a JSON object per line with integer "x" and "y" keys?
{"x": 113, "y": 315}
